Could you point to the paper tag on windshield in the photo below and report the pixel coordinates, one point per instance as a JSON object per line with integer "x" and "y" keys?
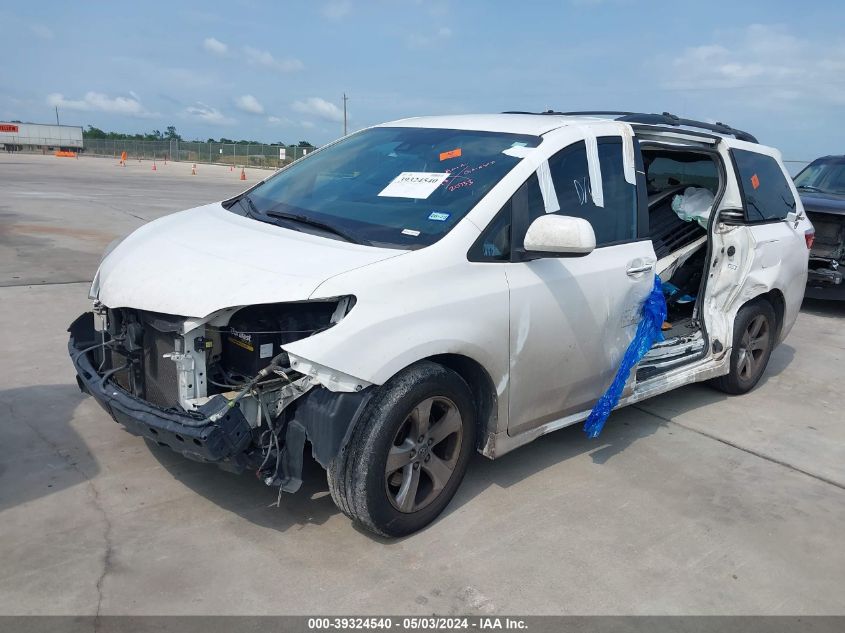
{"x": 414, "y": 184}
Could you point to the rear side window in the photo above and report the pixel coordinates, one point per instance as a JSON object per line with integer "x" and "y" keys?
{"x": 669, "y": 170}
{"x": 764, "y": 187}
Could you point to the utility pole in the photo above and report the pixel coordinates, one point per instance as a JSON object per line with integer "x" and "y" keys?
{"x": 345, "y": 99}
{"x": 57, "y": 115}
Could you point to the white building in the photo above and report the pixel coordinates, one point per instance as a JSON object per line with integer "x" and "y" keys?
{"x": 20, "y": 136}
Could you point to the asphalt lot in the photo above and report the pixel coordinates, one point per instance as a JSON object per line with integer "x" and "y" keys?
{"x": 690, "y": 503}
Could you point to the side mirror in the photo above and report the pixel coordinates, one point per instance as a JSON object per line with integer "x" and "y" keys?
{"x": 559, "y": 236}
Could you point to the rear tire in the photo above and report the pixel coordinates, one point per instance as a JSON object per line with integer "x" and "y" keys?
{"x": 408, "y": 452}
{"x": 755, "y": 328}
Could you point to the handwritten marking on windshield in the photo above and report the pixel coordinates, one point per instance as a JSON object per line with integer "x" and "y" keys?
{"x": 459, "y": 176}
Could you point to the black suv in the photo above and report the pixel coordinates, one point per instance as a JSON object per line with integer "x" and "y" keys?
{"x": 821, "y": 185}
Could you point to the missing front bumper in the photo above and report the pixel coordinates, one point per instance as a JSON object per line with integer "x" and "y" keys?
{"x": 224, "y": 441}
{"x": 218, "y": 432}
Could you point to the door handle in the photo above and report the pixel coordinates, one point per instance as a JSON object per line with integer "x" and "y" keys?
{"x": 636, "y": 270}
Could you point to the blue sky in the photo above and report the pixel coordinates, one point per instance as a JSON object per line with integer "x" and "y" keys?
{"x": 276, "y": 70}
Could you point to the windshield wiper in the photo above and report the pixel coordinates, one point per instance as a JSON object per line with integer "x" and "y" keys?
{"x": 302, "y": 219}
{"x": 252, "y": 210}
{"x": 809, "y": 188}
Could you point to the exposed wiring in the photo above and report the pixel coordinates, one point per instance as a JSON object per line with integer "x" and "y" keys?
{"x": 111, "y": 372}
{"x": 278, "y": 462}
{"x": 224, "y": 385}
{"x": 93, "y": 347}
{"x": 265, "y": 450}
{"x": 271, "y": 429}
{"x": 103, "y": 344}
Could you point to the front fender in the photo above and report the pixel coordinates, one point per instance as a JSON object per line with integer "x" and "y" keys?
{"x": 370, "y": 348}
{"x": 427, "y": 303}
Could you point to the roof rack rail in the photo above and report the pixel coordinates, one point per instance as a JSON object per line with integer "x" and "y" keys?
{"x": 666, "y": 118}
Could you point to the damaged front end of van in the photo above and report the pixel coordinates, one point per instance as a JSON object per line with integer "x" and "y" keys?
{"x": 187, "y": 348}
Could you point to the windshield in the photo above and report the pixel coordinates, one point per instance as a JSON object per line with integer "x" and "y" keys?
{"x": 823, "y": 176}
{"x": 396, "y": 187}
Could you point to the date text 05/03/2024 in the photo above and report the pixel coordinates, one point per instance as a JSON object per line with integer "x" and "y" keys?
{"x": 428, "y": 623}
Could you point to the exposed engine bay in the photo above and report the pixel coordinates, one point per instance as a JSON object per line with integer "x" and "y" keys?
{"x": 224, "y": 382}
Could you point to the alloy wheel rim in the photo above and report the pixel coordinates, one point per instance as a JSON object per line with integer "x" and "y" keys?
{"x": 423, "y": 454}
{"x": 752, "y": 347}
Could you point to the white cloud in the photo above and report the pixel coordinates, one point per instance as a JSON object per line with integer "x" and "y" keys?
{"x": 320, "y": 108}
{"x": 764, "y": 64}
{"x": 209, "y": 114}
{"x": 99, "y": 102}
{"x": 170, "y": 78}
{"x": 277, "y": 120}
{"x": 250, "y": 104}
{"x": 337, "y": 9}
{"x": 215, "y": 46}
{"x": 41, "y": 30}
{"x": 417, "y": 40}
{"x": 266, "y": 59}
{"x": 308, "y": 125}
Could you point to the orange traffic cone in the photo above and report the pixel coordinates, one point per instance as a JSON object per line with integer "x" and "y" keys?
{"x": 243, "y": 174}
{"x": 154, "y": 166}
{"x": 194, "y": 170}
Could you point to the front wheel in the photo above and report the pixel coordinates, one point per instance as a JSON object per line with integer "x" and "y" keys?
{"x": 754, "y": 339}
{"x": 408, "y": 452}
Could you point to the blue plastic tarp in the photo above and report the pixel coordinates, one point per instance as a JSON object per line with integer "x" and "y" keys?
{"x": 649, "y": 332}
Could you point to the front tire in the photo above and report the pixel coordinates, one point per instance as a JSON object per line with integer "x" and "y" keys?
{"x": 755, "y": 328}
{"x": 408, "y": 452}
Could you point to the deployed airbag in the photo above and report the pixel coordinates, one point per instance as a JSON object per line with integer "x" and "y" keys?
{"x": 695, "y": 204}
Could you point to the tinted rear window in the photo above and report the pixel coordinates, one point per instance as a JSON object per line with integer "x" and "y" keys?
{"x": 764, "y": 186}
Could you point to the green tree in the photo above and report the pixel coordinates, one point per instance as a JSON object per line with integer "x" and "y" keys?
{"x": 93, "y": 132}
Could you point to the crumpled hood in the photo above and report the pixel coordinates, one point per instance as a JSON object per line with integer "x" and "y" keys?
{"x": 205, "y": 259}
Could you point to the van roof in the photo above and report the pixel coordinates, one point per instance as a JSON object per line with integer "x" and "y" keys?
{"x": 534, "y": 124}
{"x": 539, "y": 123}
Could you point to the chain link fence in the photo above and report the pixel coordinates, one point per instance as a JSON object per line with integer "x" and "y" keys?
{"x": 237, "y": 154}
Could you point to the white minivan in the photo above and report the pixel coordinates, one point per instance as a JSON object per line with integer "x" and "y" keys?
{"x": 437, "y": 285}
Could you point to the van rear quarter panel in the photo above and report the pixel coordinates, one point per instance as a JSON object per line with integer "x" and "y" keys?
{"x": 775, "y": 254}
